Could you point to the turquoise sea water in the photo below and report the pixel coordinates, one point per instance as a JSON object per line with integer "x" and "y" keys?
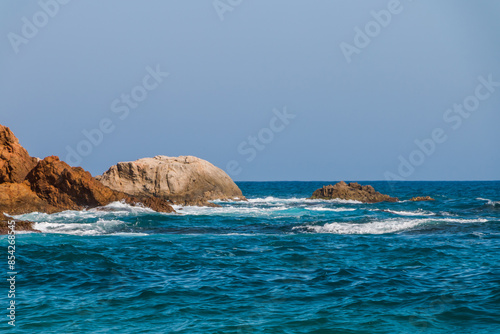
{"x": 278, "y": 263}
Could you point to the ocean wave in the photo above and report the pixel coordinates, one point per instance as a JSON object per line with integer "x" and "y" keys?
{"x": 379, "y": 227}
{"x": 227, "y": 210}
{"x": 127, "y": 234}
{"x": 419, "y": 212}
{"x": 321, "y": 208}
{"x": 124, "y": 207}
{"x": 101, "y": 227}
{"x": 104, "y": 220}
{"x": 262, "y": 207}
{"x": 114, "y": 209}
{"x": 383, "y": 226}
{"x": 295, "y": 200}
{"x": 462, "y": 220}
{"x": 489, "y": 202}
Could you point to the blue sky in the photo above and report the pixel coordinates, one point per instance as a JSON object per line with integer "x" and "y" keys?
{"x": 266, "y": 90}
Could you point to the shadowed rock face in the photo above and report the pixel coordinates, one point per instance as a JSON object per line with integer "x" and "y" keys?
{"x": 183, "y": 180}
{"x": 15, "y": 162}
{"x": 352, "y": 191}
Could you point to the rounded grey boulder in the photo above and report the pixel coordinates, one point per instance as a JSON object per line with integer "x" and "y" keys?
{"x": 185, "y": 180}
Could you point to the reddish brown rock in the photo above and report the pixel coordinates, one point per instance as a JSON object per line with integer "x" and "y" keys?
{"x": 352, "y": 191}
{"x": 18, "y": 198}
{"x": 53, "y": 186}
{"x": 73, "y": 188}
{"x": 20, "y": 225}
{"x": 28, "y": 184}
{"x": 15, "y": 162}
{"x": 65, "y": 187}
{"x": 421, "y": 199}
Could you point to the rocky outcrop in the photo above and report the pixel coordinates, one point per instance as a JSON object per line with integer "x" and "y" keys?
{"x": 18, "y": 198}
{"x": 20, "y": 225}
{"x": 183, "y": 180}
{"x": 73, "y": 188}
{"x": 421, "y": 199}
{"x": 28, "y": 184}
{"x": 352, "y": 191}
{"x": 15, "y": 162}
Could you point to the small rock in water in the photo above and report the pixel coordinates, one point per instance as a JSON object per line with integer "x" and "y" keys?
{"x": 352, "y": 191}
{"x": 421, "y": 198}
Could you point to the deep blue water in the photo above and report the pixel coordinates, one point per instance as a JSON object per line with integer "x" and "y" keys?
{"x": 276, "y": 264}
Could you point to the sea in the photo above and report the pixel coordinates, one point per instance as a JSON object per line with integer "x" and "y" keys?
{"x": 278, "y": 263}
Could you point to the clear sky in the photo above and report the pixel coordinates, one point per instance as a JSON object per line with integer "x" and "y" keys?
{"x": 266, "y": 90}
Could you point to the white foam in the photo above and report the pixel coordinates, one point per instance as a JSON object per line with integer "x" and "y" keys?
{"x": 227, "y": 210}
{"x": 122, "y": 206}
{"x": 489, "y": 201}
{"x": 245, "y": 234}
{"x": 419, "y": 212}
{"x": 379, "y": 227}
{"x": 106, "y": 220}
{"x": 114, "y": 209}
{"x": 25, "y": 232}
{"x": 462, "y": 221}
{"x": 98, "y": 228}
{"x": 271, "y": 199}
{"x": 383, "y": 226}
{"x": 227, "y": 200}
{"x": 263, "y": 207}
{"x": 321, "y": 208}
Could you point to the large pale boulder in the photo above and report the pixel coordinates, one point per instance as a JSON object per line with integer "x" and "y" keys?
{"x": 183, "y": 180}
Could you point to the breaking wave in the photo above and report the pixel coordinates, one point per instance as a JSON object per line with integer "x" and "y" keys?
{"x": 382, "y": 227}
{"x": 490, "y": 202}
